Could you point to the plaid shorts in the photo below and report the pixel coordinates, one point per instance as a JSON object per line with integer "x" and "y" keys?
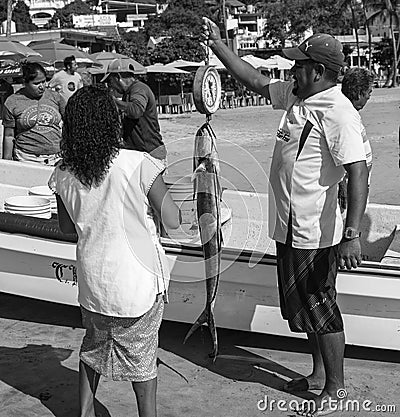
{"x": 306, "y": 281}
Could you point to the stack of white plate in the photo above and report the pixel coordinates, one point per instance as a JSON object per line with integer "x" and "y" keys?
{"x": 28, "y": 206}
{"x": 44, "y": 191}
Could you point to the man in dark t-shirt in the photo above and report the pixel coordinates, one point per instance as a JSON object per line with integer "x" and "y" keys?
{"x": 140, "y": 127}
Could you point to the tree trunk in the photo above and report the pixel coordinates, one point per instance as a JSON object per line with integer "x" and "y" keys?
{"x": 355, "y": 25}
{"x": 398, "y": 49}
{"x": 394, "y": 43}
{"x": 368, "y": 34}
{"x": 9, "y": 14}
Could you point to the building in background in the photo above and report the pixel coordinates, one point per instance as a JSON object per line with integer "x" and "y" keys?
{"x": 42, "y": 11}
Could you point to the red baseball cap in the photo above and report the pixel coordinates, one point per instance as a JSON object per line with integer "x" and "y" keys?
{"x": 322, "y": 48}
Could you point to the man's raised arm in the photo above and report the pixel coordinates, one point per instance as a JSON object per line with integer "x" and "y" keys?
{"x": 241, "y": 70}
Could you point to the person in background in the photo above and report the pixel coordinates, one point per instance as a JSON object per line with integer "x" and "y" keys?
{"x": 87, "y": 78}
{"x": 108, "y": 195}
{"x": 6, "y": 89}
{"x": 140, "y": 127}
{"x": 68, "y": 80}
{"x": 357, "y": 85}
{"x": 318, "y": 140}
{"x": 32, "y": 119}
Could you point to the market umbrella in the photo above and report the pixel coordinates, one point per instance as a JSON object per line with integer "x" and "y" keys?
{"x": 277, "y": 61}
{"x": 256, "y": 62}
{"x": 104, "y": 58}
{"x": 14, "y": 69}
{"x": 56, "y": 52}
{"x": 215, "y": 62}
{"x": 164, "y": 69}
{"x": 10, "y": 49}
{"x": 187, "y": 65}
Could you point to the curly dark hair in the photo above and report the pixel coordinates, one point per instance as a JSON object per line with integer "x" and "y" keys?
{"x": 91, "y": 135}
{"x": 356, "y": 81}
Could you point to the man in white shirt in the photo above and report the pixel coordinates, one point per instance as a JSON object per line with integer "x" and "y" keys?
{"x": 319, "y": 139}
{"x": 67, "y": 81}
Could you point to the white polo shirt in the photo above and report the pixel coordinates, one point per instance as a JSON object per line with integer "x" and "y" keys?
{"x": 121, "y": 265}
{"x": 305, "y": 183}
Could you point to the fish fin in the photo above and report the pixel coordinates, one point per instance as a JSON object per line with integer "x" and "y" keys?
{"x": 202, "y": 319}
{"x": 206, "y": 317}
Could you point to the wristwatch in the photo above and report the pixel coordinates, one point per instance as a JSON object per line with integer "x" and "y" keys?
{"x": 350, "y": 233}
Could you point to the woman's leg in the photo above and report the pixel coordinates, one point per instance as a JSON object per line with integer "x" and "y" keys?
{"x": 146, "y": 397}
{"x": 88, "y": 382}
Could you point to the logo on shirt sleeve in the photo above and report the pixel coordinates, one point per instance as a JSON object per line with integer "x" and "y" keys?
{"x": 282, "y": 134}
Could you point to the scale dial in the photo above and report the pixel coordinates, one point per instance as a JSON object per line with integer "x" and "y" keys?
{"x": 207, "y": 90}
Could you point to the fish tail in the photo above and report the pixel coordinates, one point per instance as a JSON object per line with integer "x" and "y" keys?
{"x": 206, "y": 317}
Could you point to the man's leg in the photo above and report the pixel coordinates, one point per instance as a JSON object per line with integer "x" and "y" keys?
{"x": 332, "y": 350}
{"x": 88, "y": 383}
{"x": 146, "y": 397}
{"x": 317, "y": 377}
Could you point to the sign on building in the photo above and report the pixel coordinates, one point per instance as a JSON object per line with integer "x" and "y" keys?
{"x": 90, "y": 20}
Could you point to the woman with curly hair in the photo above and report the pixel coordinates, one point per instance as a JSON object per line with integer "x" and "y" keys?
{"x": 32, "y": 119}
{"x": 110, "y": 196}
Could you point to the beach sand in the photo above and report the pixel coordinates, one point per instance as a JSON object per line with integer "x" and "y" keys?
{"x": 39, "y": 370}
{"x": 40, "y": 341}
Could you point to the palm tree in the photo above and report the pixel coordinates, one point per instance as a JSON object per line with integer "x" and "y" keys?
{"x": 368, "y": 30}
{"x": 388, "y": 10}
{"x": 352, "y": 5}
{"x": 9, "y": 14}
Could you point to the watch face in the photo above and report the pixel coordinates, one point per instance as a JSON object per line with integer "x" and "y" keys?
{"x": 351, "y": 233}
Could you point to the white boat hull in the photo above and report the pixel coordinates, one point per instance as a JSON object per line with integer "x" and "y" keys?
{"x": 248, "y": 299}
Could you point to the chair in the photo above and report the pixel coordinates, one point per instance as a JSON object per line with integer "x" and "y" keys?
{"x": 176, "y": 103}
{"x": 230, "y": 99}
{"x": 188, "y": 102}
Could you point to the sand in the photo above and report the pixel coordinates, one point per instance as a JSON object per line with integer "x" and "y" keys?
{"x": 40, "y": 341}
{"x": 39, "y": 369}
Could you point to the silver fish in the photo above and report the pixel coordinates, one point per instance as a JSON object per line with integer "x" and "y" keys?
{"x": 208, "y": 191}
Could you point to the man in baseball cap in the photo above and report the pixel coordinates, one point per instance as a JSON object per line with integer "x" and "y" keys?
{"x": 140, "y": 128}
{"x": 117, "y": 66}
{"x": 319, "y": 139}
{"x": 321, "y": 48}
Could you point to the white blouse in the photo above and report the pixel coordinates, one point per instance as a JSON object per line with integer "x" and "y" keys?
{"x": 121, "y": 265}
